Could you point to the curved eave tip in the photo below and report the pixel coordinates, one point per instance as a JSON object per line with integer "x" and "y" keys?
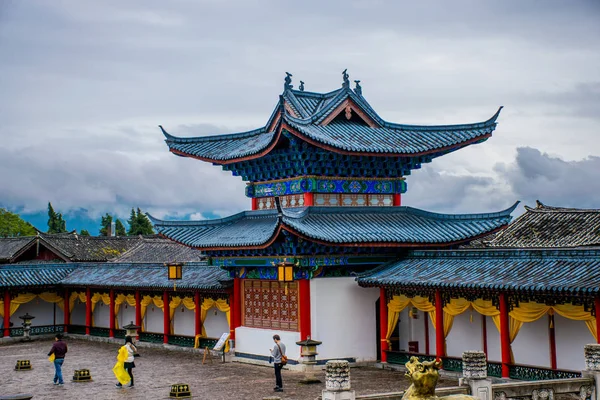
{"x": 495, "y": 116}
{"x": 509, "y": 210}
{"x": 153, "y": 220}
{"x": 169, "y": 137}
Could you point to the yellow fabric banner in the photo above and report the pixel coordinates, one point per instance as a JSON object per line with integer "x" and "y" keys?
{"x": 27, "y": 297}
{"x": 120, "y": 299}
{"x": 119, "y": 368}
{"x": 222, "y": 306}
{"x": 145, "y": 302}
{"x": 399, "y": 303}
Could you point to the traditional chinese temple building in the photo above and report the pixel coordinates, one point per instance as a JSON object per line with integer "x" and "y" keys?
{"x": 325, "y": 176}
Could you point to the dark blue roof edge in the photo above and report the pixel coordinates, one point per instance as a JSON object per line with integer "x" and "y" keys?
{"x": 297, "y": 213}
{"x": 240, "y": 135}
{"x": 216, "y": 221}
{"x": 485, "y": 124}
{"x": 491, "y": 252}
{"x": 316, "y": 95}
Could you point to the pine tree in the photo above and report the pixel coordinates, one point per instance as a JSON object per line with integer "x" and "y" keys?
{"x": 106, "y": 222}
{"x": 139, "y": 224}
{"x": 132, "y": 221}
{"x": 120, "y": 228}
{"x": 84, "y": 232}
{"x": 56, "y": 223}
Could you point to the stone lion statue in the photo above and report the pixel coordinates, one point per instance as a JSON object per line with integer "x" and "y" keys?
{"x": 423, "y": 377}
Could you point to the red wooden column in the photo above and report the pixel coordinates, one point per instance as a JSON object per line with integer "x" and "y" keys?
{"x": 304, "y": 298}
{"x": 236, "y": 307}
{"x": 67, "y": 311}
{"x": 397, "y": 199}
{"x": 552, "y": 340}
{"x": 597, "y": 308}
{"x": 504, "y": 335}
{"x": 197, "y": 320}
{"x": 6, "y": 313}
{"x": 383, "y": 324}
{"x": 254, "y": 203}
{"x": 426, "y": 328}
{"x": 138, "y": 310}
{"x": 111, "y": 314}
{"x": 166, "y": 317}
{"x": 309, "y": 200}
{"x": 88, "y": 311}
{"x": 440, "y": 341}
{"x": 484, "y": 335}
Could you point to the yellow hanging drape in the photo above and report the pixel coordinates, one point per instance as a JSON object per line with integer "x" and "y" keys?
{"x": 51, "y": 297}
{"x": 222, "y": 306}
{"x": 146, "y": 301}
{"x": 120, "y": 299}
{"x": 27, "y": 297}
{"x": 458, "y": 306}
{"x": 399, "y": 303}
{"x": 74, "y": 296}
{"x": 96, "y": 297}
{"x": 175, "y": 302}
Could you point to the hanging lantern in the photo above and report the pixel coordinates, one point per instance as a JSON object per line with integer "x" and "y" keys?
{"x": 285, "y": 271}
{"x": 174, "y": 270}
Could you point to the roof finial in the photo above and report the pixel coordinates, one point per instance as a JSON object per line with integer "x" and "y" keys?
{"x": 346, "y": 83}
{"x": 358, "y": 88}
{"x": 301, "y": 87}
{"x": 288, "y": 82}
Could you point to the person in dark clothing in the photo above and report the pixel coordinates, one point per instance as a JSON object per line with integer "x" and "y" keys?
{"x": 59, "y": 349}
{"x": 276, "y": 353}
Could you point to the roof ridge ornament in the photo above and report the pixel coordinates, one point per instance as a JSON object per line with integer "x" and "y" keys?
{"x": 288, "y": 82}
{"x": 358, "y": 88}
{"x": 301, "y": 87}
{"x": 346, "y": 83}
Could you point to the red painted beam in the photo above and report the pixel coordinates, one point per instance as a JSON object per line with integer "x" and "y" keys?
{"x": 111, "y": 314}
{"x": 197, "y": 320}
{"x": 383, "y": 324}
{"x": 504, "y": 336}
{"x": 166, "y": 318}
{"x": 88, "y": 311}
{"x": 309, "y": 199}
{"x": 67, "y": 311}
{"x": 254, "y": 204}
{"x": 440, "y": 341}
{"x": 6, "y": 313}
{"x": 304, "y": 299}
{"x": 397, "y": 199}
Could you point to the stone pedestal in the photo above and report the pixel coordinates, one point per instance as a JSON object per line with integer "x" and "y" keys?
{"x": 475, "y": 374}
{"x": 592, "y": 366}
{"x": 337, "y": 381}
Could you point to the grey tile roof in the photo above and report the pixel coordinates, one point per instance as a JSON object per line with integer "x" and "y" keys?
{"x": 397, "y": 226}
{"x": 9, "y": 247}
{"x": 149, "y": 276}
{"x": 157, "y": 250}
{"x": 545, "y": 271}
{"x": 20, "y": 275}
{"x": 89, "y": 248}
{"x": 549, "y": 227}
{"x": 312, "y": 109}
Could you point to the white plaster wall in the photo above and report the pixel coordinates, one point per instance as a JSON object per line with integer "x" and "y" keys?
{"x": 417, "y": 330}
{"x": 126, "y": 315}
{"x": 259, "y": 341}
{"x": 41, "y": 310}
{"x": 78, "y": 314}
{"x": 464, "y": 335}
{"x": 532, "y": 346}
{"x": 570, "y": 338}
{"x": 101, "y": 315}
{"x": 493, "y": 341}
{"x": 431, "y": 337}
{"x": 216, "y": 325}
{"x": 343, "y": 318}
{"x": 183, "y": 322}
{"x": 403, "y": 329}
{"x": 154, "y": 320}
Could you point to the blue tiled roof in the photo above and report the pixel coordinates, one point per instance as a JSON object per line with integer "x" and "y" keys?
{"x": 312, "y": 109}
{"x": 397, "y": 226}
{"x": 20, "y": 275}
{"x": 151, "y": 276}
{"x": 566, "y": 271}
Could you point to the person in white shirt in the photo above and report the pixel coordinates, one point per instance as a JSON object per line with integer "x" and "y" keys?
{"x": 129, "y": 364}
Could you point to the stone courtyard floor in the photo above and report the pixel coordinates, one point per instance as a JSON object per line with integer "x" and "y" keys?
{"x": 157, "y": 369}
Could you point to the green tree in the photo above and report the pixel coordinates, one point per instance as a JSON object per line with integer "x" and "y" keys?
{"x": 139, "y": 224}
{"x": 12, "y": 224}
{"x": 120, "y": 228}
{"x": 106, "y": 222}
{"x": 84, "y": 232}
{"x": 56, "y": 223}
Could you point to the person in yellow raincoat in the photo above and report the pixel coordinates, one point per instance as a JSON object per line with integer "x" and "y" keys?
{"x": 123, "y": 369}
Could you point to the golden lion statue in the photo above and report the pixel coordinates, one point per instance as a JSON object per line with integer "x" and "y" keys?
{"x": 423, "y": 377}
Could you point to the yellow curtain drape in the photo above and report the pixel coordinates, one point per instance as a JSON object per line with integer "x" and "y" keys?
{"x": 27, "y": 297}
{"x": 145, "y": 302}
{"x": 458, "y": 306}
{"x": 120, "y": 299}
{"x": 222, "y": 306}
{"x": 51, "y": 297}
{"x": 96, "y": 297}
{"x": 399, "y": 303}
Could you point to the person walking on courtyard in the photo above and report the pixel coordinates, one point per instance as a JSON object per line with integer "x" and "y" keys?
{"x": 59, "y": 349}
{"x": 125, "y": 363}
{"x": 279, "y": 360}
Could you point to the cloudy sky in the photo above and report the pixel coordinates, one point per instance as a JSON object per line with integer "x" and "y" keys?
{"x": 84, "y": 85}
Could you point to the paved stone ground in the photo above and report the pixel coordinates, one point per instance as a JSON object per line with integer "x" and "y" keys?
{"x": 157, "y": 369}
